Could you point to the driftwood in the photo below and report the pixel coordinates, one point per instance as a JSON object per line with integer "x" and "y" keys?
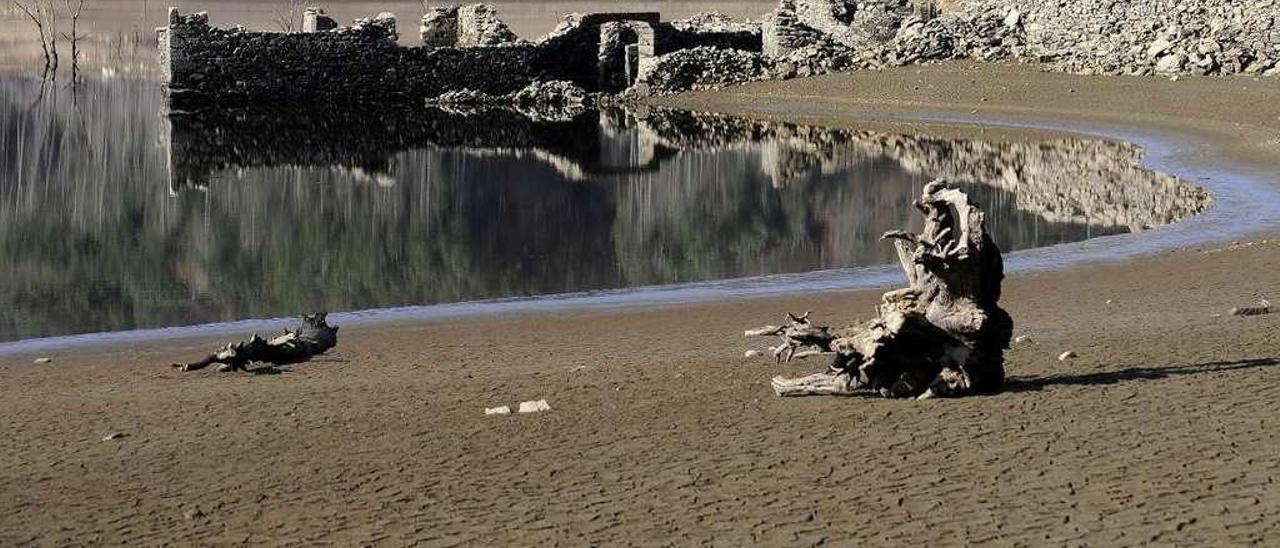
{"x": 1259, "y": 308}
{"x": 312, "y": 336}
{"x": 943, "y": 335}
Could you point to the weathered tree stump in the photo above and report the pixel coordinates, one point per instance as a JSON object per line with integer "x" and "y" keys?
{"x": 943, "y": 335}
{"x": 312, "y": 336}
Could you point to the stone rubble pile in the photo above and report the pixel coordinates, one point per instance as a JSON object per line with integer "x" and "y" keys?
{"x": 384, "y": 23}
{"x": 1149, "y": 36}
{"x": 1137, "y": 37}
{"x": 1132, "y": 37}
{"x": 703, "y": 68}
{"x": 713, "y": 22}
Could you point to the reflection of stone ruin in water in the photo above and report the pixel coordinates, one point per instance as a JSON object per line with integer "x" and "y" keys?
{"x": 1064, "y": 180}
{"x": 1082, "y": 181}
{"x": 942, "y": 335}
{"x": 206, "y": 142}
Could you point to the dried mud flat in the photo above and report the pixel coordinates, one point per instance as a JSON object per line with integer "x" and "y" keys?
{"x": 1163, "y": 430}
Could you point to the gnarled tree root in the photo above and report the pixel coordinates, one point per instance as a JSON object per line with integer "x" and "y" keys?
{"x": 943, "y": 335}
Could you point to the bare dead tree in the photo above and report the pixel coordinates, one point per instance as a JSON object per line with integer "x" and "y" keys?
{"x": 288, "y": 15}
{"x": 51, "y": 21}
{"x": 39, "y": 17}
{"x": 74, "y": 37}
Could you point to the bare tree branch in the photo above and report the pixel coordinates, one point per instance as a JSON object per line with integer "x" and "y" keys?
{"x": 74, "y": 38}
{"x": 288, "y": 15}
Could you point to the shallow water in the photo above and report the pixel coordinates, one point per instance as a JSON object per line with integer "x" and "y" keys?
{"x": 116, "y": 216}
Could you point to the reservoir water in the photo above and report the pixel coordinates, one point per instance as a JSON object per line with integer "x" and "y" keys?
{"x": 117, "y": 215}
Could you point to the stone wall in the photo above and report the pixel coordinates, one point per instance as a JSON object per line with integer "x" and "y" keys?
{"x": 203, "y": 65}
{"x": 707, "y": 30}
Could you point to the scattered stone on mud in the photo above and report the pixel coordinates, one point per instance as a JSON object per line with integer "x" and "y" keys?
{"x": 752, "y": 354}
{"x": 1068, "y": 355}
{"x": 534, "y": 406}
{"x": 113, "y": 436}
{"x": 39, "y": 361}
{"x": 1023, "y": 339}
{"x": 193, "y": 513}
{"x": 504, "y": 410}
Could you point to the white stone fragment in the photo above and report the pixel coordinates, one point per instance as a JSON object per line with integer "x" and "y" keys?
{"x": 534, "y": 406}
{"x": 43, "y": 360}
{"x": 504, "y": 410}
{"x": 1067, "y": 355}
{"x": 1021, "y": 339}
{"x": 751, "y": 353}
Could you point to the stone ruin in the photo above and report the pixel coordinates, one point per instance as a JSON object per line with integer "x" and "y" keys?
{"x": 469, "y": 50}
{"x": 464, "y": 26}
{"x": 465, "y": 50}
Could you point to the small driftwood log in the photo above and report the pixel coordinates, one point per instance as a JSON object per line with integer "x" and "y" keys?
{"x": 312, "y": 337}
{"x": 943, "y": 335}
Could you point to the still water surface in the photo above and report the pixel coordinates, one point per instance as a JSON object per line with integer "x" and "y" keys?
{"x": 114, "y": 215}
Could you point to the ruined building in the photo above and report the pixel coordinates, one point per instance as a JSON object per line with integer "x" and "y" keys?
{"x": 464, "y": 48}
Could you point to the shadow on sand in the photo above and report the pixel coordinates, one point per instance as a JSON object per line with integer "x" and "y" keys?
{"x": 1025, "y": 384}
